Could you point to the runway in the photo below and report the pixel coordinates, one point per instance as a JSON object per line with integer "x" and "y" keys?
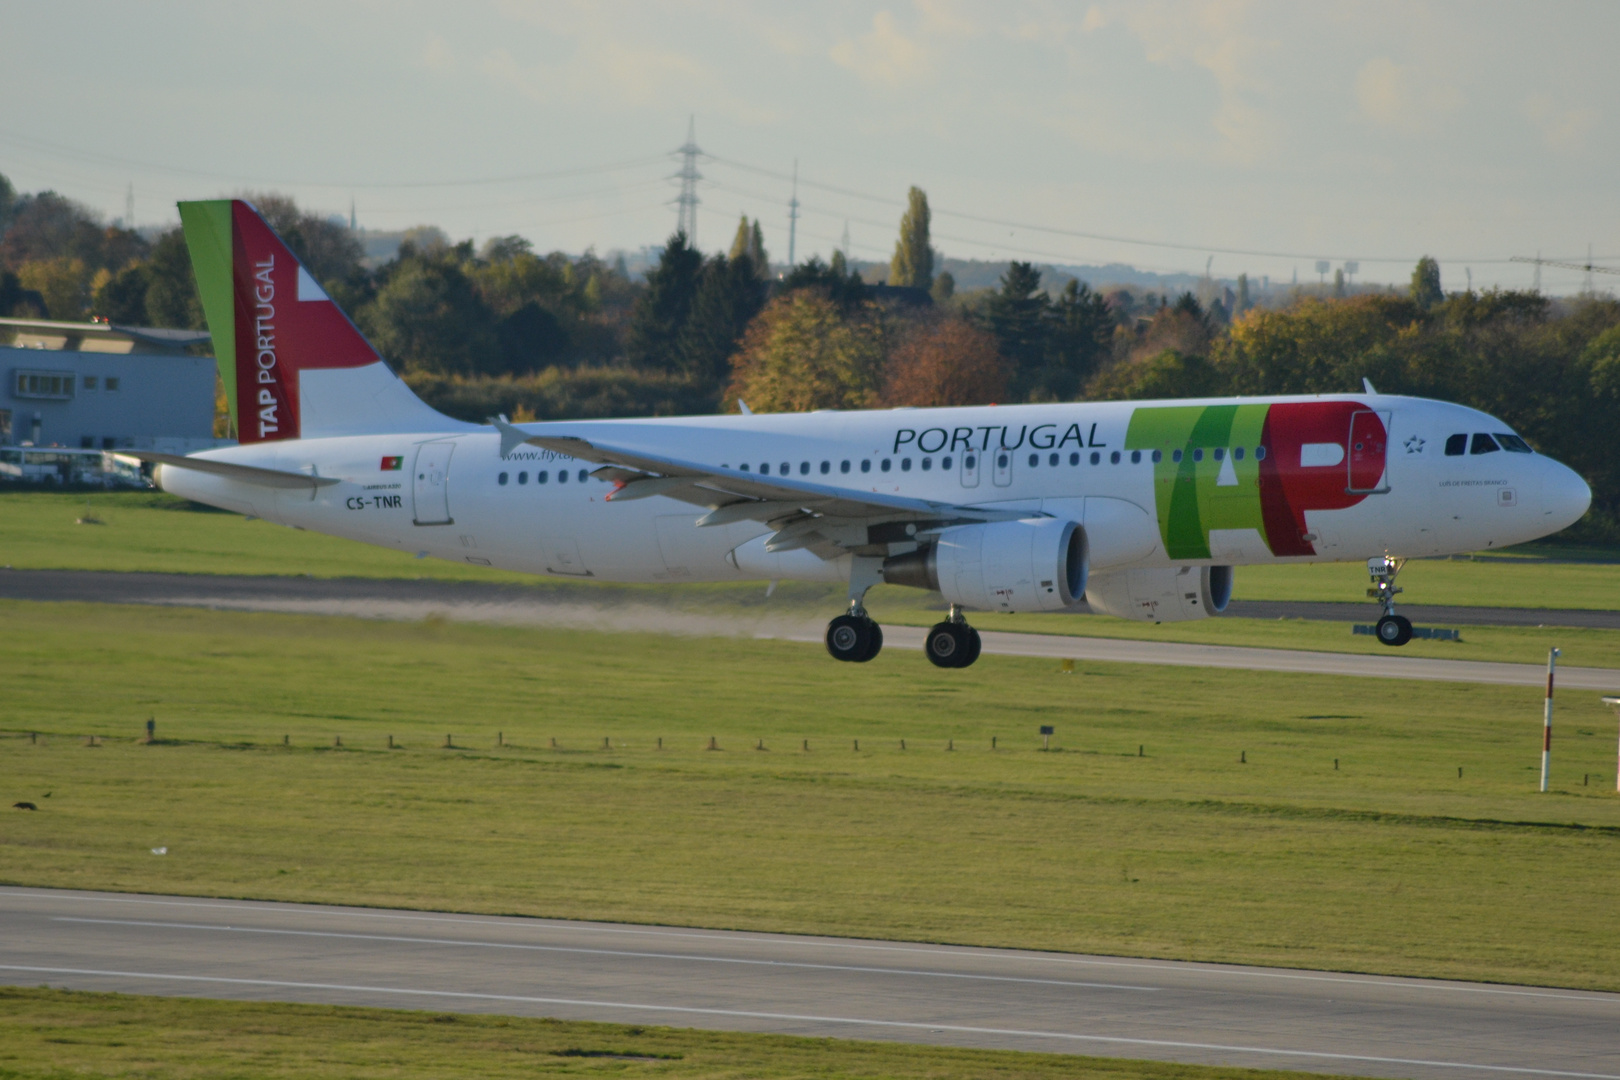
{"x": 540, "y": 606}
{"x": 1054, "y": 1002}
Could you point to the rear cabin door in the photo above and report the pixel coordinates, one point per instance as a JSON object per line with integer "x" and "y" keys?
{"x": 430, "y": 484}
{"x": 1369, "y": 441}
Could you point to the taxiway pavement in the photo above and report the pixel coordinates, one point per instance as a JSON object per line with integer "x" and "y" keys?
{"x": 1055, "y": 1002}
{"x": 538, "y": 606}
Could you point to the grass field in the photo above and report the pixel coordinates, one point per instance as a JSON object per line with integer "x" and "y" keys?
{"x": 1344, "y": 838}
{"x": 53, "y": 1035}
{"x": 155, "y": 532}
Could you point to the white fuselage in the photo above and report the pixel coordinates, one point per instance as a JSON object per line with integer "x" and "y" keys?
{"x": 453, "y": 496}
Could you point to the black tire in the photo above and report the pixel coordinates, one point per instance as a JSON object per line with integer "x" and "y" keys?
{"x": 973, "y": 648}
{"x": 1394, "y": 630}
{"x": 946, "y": 645}
{"x": 849, "y": 638}
{"x": 877, "y": 642}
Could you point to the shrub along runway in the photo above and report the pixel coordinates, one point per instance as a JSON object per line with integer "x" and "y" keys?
{"x": 1256, "y": 1017}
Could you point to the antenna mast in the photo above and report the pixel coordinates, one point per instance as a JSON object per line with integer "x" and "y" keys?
{"x": 793, "y": 213}
{"x": 687, "y": 201}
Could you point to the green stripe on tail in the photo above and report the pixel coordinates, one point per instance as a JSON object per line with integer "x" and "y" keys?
{"x": 208, "y": 236}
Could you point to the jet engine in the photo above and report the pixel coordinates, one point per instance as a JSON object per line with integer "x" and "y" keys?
{"x": 1040, "y": 564}
{"x": 1172, "y": 594}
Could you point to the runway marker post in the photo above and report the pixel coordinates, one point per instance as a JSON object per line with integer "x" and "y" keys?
{"x": 1546, "y": 718}
{"x": 1614, "y": 703}
{"x": 1046, "y": 736}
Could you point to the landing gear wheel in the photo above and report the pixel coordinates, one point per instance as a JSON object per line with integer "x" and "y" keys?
{"x": 1394, "y": 630}
{"x": 950, "y": 645}
{"x": 973, "y": 648}
{"x": 849, "y": 638}
{"x": 877, "y": 642}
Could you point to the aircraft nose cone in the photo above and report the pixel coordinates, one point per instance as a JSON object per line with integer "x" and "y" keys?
{"x": 1564, "y": 497}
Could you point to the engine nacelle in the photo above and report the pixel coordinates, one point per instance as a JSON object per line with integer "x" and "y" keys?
{"x": 1167, "y": 595}
{"x": 1040, "y": 564}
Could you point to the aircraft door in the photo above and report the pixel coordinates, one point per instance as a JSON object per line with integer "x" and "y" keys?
{"x": 1001, "y": 474}
{"x": 430, "y": 484}
{"x": 970, "y": 468}
{"x": 1368, "y": 443}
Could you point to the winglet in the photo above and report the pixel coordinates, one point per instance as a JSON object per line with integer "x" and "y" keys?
{"x": 743, "y": 405}
{"x": 1366, "y": 384}
{"x": 512, "y": 436}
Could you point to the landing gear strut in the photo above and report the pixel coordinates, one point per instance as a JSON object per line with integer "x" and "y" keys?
{"x": 1392, "y": 629}
{"x": 855, "y": 637}
{"x": 952, "y": 643}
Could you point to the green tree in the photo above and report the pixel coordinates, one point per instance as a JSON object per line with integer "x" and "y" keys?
{"x": 729, "y": 295}
{"x": 836, "y": 280}
{"x": 171, "y": 288}
{"x": 121, "y": 297}
{"x": 64, "y": 282}
{"x": 1079, "y": 335}
{"x": 944, "y": 287}
{"x": 806, "y": 351}
{"x": 1016, "y": 314}
{"x": 17, "y": 302}
{"x": 913, "y": 262}
{"x": 1426, "y": 290}
{"x": 8, "y": 203}
{"x": 1243, "y": 303}
{"x": 428, "y": 316}
{"x": 661, "y": 313}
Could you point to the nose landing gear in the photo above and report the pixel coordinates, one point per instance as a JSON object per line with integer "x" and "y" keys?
{"x": 952, "y": 643}
{"x": 1392, "y": 629}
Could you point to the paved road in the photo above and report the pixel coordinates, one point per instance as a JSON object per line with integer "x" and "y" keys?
{"x": 524, "y": 605}
{"x": 806, "y": 986}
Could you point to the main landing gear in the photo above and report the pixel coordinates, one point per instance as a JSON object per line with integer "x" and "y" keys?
{"x": 952, "y": 643}
{"x": 1392, "y": 629}
{"x": 855, "y": 637}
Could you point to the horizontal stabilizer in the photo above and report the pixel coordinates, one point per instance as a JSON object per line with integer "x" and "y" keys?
{"x": 247, "y": 474}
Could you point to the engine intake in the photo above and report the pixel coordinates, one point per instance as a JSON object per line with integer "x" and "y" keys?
{"x": 1039, "y": 564}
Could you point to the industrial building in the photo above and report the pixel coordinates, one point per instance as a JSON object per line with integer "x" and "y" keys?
{"x": 105, "y": 387}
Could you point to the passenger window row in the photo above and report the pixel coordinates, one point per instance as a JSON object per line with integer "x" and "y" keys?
{"x": 1482, "y": 443}
{"x": 543, "y": 476}
{"x": 1003, "y": 459}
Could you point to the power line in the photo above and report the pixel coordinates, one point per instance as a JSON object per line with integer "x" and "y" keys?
{"x": 177, "y": 170}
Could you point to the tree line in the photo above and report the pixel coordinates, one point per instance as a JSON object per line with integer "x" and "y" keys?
{"x": 502, "y": 328}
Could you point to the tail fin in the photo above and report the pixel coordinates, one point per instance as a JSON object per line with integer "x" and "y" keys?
{"x": 293, "y": 364}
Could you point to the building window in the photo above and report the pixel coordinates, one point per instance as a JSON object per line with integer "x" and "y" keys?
{"x": 111, "y": 383}
{"x": 56, "y": 385}
{"x": 5, "y": 425}
{"x": 89, "y": 382}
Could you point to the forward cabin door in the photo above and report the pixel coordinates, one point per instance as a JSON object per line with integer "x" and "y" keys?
{"x": 430, "y": 484}
{"x": 1368, "y": 445}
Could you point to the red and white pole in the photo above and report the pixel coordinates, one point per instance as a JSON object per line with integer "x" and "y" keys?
{"x": 1546, "y": 718}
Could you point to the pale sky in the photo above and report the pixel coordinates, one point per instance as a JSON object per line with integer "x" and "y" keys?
{"x": 1294, "y": 131}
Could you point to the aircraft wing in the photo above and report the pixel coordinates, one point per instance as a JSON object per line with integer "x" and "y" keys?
{"x": 825, "y": 518}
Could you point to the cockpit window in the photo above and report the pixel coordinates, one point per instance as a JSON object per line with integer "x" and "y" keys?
{"x": 1512, "y": 443}
{"x": 1457, "y": 445}
{"x": 1483, "y": 444}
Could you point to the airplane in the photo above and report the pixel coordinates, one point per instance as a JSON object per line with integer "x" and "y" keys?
{"x": 1136, "y": 509}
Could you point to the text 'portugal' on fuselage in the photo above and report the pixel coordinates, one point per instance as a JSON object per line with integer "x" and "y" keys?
{"x": 1133, "y": 509}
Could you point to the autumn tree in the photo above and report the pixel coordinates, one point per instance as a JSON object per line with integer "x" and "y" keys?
{"x": 750, "y": 241}
{"x": 806, "y": 351}
{"x": 913, "y": 262}
{"x": 945, "y": 361}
